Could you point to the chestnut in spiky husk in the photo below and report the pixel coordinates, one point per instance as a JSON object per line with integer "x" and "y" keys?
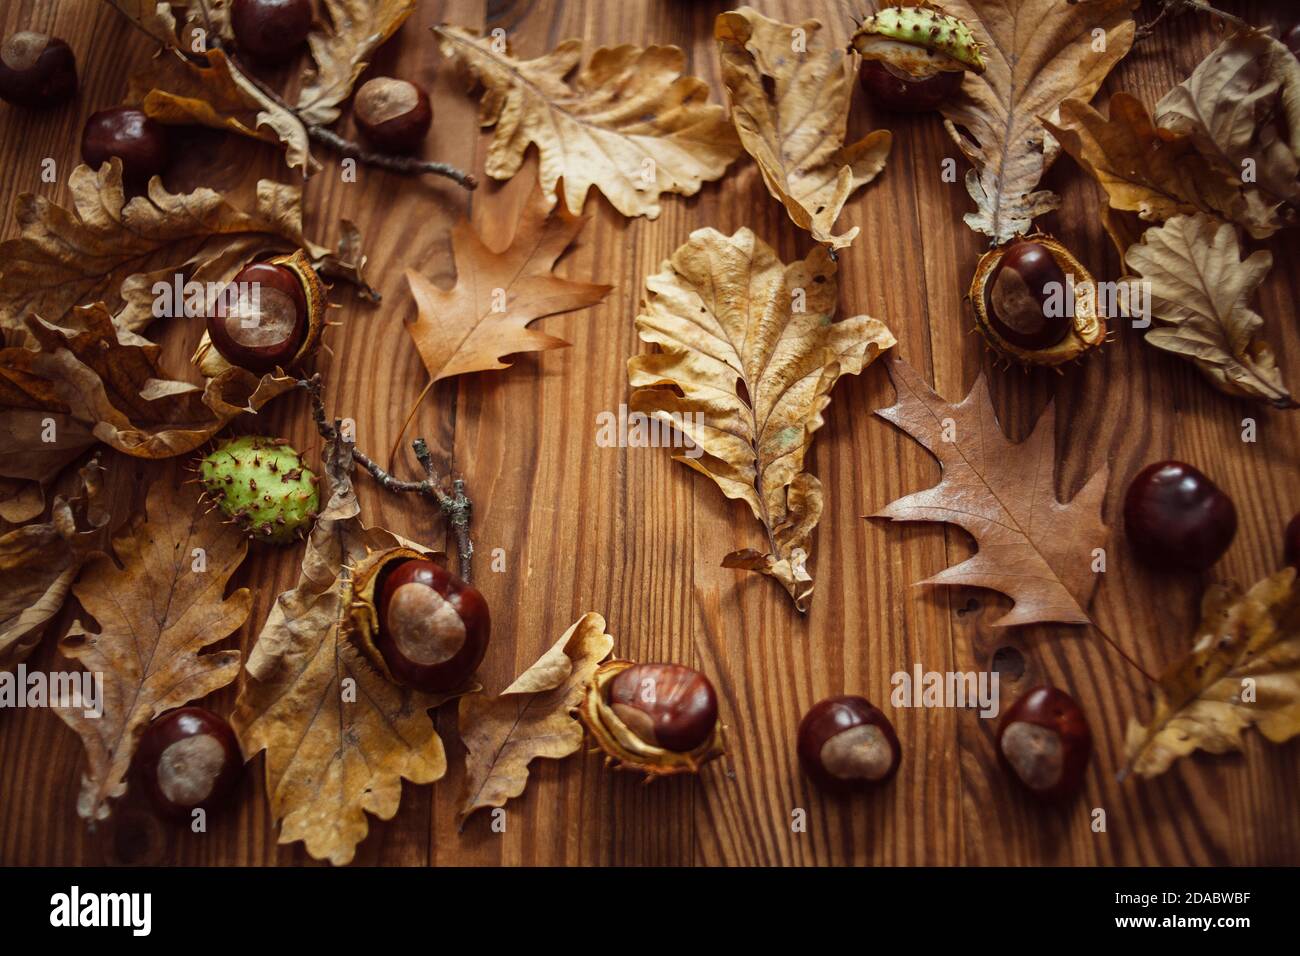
{"x": 1036, "y": 303}
{"x": 640, "y": 714}
{"x": 262, "y": 485}
{"x": 914, "y": 57}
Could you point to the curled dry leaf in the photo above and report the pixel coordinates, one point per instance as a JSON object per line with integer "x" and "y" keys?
{"x": 628, "y": 123}
{"x": 1202, "y": 287}
{"x": 790, "y": 104}
{"x": 1032, "y": 548}
{"x": 529, "y": 719}
{"x": 498, "y": 291}
{"x": 38, "y": 563}
{"x": 749, "y": 343}
{"x": 342, "y": 50}
{"x": 339, "y": 737}
{"x": 156, "y": 613}
{"x": 1039, "y": 54}
{"x": 1243, "y": 671}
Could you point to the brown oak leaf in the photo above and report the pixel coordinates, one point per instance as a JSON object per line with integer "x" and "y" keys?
{"x": 748, "y": 358}
{"x": 342, "y": 50}
{"x": 790, "y": 104}
{"x": 339, "y": 736}
{"x": 1243, "y": 671}
{"x": 1032, "y": 548}
{"x": 530, "y": 718}
{"x": 1202, "y": 287}
{"x": 156, "y": 613}
{"x": 1039, "y": 54}
{"x": 39, "y": 561}
{"x": 628, "y": 123}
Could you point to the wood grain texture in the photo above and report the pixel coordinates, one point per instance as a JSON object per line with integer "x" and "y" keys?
{"x": 637, "y": 537}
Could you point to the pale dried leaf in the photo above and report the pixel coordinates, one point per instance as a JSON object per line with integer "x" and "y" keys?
{"x": 627, "y": 123}
{"x": 750, "y": 343}
{"x": 795, "y": 132}
{"x": 531, "y": 718}
{"x": 1032, "y": 548}
{"x": 342, "y": 50}
{"x": 1202, "y": 287}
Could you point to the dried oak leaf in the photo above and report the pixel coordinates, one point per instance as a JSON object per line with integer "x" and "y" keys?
{"x": 156, "y": 613}
{"x": 530, "y": 718}
{"x": 1039, "y": 54}
{"x": 342, "y": 49}
{"x": 498, "y": 291}
{"x": 339, "y": 737}
{"x": 1243, "y": 671}
{"x": 39, "y": 561}
{"x": 629, "y": 123}
{"x": 791, "y": 109}
{"x": 1202, "y": 287}
{"x": 1241, "y": 105}
{"x": 1032, "y": 548}
{"x": 749, "y": 357}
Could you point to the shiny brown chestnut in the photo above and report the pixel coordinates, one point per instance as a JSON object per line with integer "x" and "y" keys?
{"x": 261, "y": 321}
{"x": 666, "y": 705}
{"x": 895, "y": 90}
{"x": 1291, "y": 542}
{"x": 1026, "y": 299}
{"x": 1176, "y": 517}
{"x": 271, "y": 31}
{"x": 433, "y": 627}
{"x": 393, "y": 115}
{"x": 36, "y": 71}
{"x": 1044, "y": 741}
{"x": 189, "y": 759}
{"x": 847, "y": 742}
{"x": 138, "y": 141}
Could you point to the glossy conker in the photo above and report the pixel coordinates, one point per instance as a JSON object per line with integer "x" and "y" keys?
{"x": 36, "y": 71}
{"x": 189, "y": 759}
{"x": 847, "y": 742}
{"x": 1291, "y": 542}
{"x": 1178, "y": 518}
{"x": 1026, "y": 280}
{"x": 393, "y": 115}
{"x": 138, "y": 141}
{"x": 1044, "y": 741}
{"x": 262, "y": 322}
{"x": 433, "y": 627}
{"x": 271, "y": 30}
{"x": 895, "y": 90}
{"x": 665, "y": 705}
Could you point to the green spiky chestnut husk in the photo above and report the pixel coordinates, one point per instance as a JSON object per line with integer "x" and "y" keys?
{"x": 262, "y": 485}
{"x": 919, "y": 41}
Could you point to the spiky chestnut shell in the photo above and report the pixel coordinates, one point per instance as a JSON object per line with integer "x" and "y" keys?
{"x": 626, "y": 750}
{"x": 1086, "y": 330}
{"x": 262, "y": 485}
{"x": 919, "y": 41}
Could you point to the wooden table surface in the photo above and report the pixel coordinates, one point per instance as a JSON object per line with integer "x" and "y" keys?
{"x": 637, "y": 537}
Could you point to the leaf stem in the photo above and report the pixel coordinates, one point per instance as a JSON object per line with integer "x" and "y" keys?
{"x": 1175, "y": 7}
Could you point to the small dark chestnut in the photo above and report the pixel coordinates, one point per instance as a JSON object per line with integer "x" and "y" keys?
{"x": 1178, "y": 518}
{"x": 433, "y": 627}
{"x": 138, "y": 141}
{"x": 1026, "y": 299}
{"x": 36, "y": 71}
{"x": 271, "y": 31}
{"x": 895, "y": 90}
{"x": 189, "y": 759}
{"x": 262, "y": 321}
{"x": 666, "y": 705}
{"x": 393, "y": 115}
{"x": 1045, "y": 742}
{"x": 1291, "y": 542}
{"x": 847, "y": 742}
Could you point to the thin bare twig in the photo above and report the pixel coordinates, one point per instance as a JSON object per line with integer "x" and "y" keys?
{"x": 455, "y": 505}
{"x": 1175, "y": 7}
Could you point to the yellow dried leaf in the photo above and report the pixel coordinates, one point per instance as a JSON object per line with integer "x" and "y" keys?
{"x": 530, "y": 718}
{"x": 342, "y": 50}
{"x": 750, "y": 344}
{"x": 1243, "y": 671}
{"x": 629, "y": 123}
{"x": 795, "y": 132}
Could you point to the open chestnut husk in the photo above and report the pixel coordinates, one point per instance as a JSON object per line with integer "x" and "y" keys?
{"x": 638, "y": 713}
{"x": 915, "y": 57}
{"x": 271, "y": 315}
{"x": 419, "y": 624}
{"x": 188, "y": 759}
{"x": 1036, "y": 303}
{"x": 845, "y": 743}
{"x": 1043, "y": 740}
